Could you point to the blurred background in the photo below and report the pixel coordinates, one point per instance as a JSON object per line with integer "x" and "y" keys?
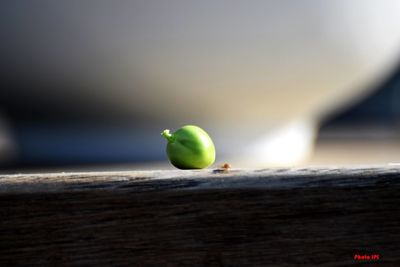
{"x": 90, "y": 85}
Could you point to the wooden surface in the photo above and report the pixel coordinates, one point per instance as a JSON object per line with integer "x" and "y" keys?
{"x": 272, "y": 217}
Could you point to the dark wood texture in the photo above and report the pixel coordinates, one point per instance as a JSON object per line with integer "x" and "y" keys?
{"x": 272, "y": 217}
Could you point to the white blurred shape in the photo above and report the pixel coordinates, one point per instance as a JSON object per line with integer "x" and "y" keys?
{"x": 289, "y": 145}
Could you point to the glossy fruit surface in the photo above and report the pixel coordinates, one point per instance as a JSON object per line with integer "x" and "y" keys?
{"x": 190, "y": 147}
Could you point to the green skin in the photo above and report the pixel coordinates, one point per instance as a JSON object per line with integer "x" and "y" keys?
{"x": 190, "y": 147}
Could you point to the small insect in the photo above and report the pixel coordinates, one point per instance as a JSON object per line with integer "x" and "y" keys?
{"x": 223, "y": 168}
{"x": 226, "y": 166}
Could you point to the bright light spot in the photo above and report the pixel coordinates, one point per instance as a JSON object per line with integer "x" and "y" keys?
{"x": 287, "y": 146}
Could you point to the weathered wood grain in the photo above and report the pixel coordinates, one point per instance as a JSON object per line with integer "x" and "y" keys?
{"x": 272, "y": 217}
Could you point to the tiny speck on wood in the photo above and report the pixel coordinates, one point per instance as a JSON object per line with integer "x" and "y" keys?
{"x": 223, "y": 168}
{"x": 226, "y": 166}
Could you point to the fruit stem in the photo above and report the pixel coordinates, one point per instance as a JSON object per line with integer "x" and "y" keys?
{"x": 168, "y": 135}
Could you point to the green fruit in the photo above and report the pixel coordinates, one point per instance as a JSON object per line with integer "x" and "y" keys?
{"x": 190, "y": 147}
